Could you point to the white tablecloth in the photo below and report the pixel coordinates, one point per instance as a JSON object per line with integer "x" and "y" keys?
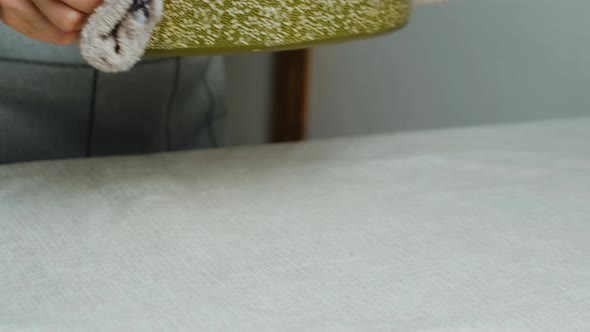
{"x": 484, "y": 229}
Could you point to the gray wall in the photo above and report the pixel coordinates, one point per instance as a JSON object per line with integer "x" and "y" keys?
{"x": 249, "y": 104}
{"x": 463, "y": 63}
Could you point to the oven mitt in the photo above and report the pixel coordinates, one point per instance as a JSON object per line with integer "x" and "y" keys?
{"x": 116, "y": 34}
{"x": 120, "y": 31}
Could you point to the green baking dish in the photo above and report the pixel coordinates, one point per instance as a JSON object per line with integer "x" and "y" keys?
{"x": 194, "y": 27}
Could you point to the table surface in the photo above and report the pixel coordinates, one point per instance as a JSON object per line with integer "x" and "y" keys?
{"x": 481, "y": 229}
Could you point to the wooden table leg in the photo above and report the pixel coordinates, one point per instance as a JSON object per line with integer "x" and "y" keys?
{"x": 291, "y": 95}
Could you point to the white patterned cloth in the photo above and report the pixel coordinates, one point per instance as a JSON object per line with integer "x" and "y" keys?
{"x": 480, "y": 229}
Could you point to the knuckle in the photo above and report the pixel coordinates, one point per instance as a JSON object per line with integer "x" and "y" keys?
{"x": 71, "y": 21}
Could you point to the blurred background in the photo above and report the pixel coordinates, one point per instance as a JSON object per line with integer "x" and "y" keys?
{"x": 460, "y": 63}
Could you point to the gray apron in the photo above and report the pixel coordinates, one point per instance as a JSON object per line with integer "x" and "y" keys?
{"x": 52, "y": 105}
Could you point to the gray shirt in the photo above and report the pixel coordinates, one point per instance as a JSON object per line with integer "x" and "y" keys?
{"x": 52, "y": 105}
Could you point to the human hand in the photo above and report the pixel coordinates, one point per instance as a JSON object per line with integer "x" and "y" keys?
{"x": 53, "y": 21}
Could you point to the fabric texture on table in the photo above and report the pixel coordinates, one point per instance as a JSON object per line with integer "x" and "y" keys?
{"x": 479, "y": 229}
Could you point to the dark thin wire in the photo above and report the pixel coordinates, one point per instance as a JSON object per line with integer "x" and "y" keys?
{"x": 92, "y": 114}
{"x": 173, "y": 96}
{"x": 211, "y": 116}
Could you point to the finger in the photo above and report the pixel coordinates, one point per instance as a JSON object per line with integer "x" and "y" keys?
{"x": 7, "y": 7}
{"x": 55, "y": 37}
{"x": 16, "y": 22}
{"x": 58, "y": 37}
{"x": 29, "y": 21}
{"x": 62, "y": 16}
{"x": 85, "y": 6}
